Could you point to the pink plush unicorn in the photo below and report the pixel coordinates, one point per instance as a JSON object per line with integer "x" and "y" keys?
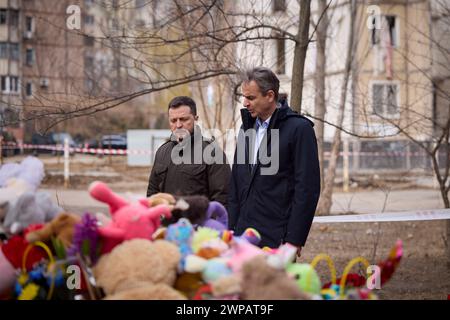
{"x": 129, "y": 220}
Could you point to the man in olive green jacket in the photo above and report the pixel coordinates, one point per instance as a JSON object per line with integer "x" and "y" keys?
{"x": 182, "y": 165}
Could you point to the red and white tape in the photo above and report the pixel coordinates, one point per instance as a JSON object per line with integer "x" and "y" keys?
{"x": 420, "y": 215}
{"x": 80, "y": 150}
{"x": 379, "y": 154}
{"x": 11, "y": 145}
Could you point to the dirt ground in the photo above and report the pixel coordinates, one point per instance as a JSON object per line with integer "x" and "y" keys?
{"x": 423, "y": 272}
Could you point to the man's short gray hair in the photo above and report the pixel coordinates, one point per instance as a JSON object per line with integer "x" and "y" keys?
{"x": 264, "y": 78}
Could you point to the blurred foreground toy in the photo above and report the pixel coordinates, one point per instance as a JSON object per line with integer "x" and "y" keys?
{"x": 260, "y": 281}
{"x": 20, "y": 203}
{"x": 11, "y": 256}
{"x": 198, "y": 210}
{"x": 62, "y": 228}
{"x": 129, "y": 220}
{"x": 355, "y": 286}
{"x": 45, "y": 281}
{"x": 161, "y": 198}
{"x": 139, "y": 269}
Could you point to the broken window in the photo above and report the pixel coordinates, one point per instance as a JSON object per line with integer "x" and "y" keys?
{"x": 387, "y": 27}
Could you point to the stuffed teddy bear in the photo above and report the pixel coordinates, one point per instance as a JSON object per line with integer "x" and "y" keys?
{"x": 129, "y": 220}
{"x": 62, "y": 228}
{"x": 20, "y": 204}
{"x": 260, "y": 281}
{"x": 30, "y": 208}
{"x": 31, "y": 169}
{"x": 16, "y": 179}
{"x": 11, "y": 191}
{"x": 139, "y": 269}
{"x": 161, "y": 198}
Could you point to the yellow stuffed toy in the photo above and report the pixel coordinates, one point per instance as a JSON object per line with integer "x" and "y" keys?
{"x": 62, "y": 228}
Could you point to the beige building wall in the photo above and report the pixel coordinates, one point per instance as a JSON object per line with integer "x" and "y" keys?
{"x": 11, "y": 101}
{"x": 411, "y": 62}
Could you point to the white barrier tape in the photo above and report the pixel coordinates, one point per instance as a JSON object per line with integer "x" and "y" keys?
{"x": 439, "y": 214}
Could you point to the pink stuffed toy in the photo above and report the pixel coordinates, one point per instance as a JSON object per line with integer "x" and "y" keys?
{"x": 240, "y": 252}
{"x": 129, "y": 221}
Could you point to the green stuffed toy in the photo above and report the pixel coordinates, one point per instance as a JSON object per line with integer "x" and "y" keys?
{"x": 305, "y": 276}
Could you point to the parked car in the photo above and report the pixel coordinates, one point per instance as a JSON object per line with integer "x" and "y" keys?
{"x": 91, "y": 143}
{"x": 51, "y": 139}
{"x": 114, "y": 141}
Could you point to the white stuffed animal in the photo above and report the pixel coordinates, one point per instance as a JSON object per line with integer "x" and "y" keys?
{"x": 20, "y": 202}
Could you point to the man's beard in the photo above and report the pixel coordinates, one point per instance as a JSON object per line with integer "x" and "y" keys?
{"x": 181, "y": 134}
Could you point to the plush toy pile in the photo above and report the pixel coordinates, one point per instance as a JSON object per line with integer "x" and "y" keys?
{"x": 162, "y": 247}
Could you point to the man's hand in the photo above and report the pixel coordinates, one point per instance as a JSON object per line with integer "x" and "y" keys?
{"x": 299, "y": 250}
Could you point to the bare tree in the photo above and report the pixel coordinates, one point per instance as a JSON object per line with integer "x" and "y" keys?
{"x": 301, "y": 47}
{"x": 198, "y": 38}
{"x": 319, "y": 81}
{"x": 325, "y": 200}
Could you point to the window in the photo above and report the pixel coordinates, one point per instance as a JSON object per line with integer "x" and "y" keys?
{"x": 29, "y": 24}
{"x": 14, "y": 18}
{"x": 89, "y": 19}
{"x": 387, "y": 31}
{"x": 10, "y": 84}
{"x": 9, "y": 51}
{"x": 4, "y": 85}
{"x": 279, "y": 5}
{"x": 14, "y": 51}
{"x": 281, "y": 56}
{"x": 14, "y": 84}
{"x": 29, "y": 89}
{"x": 29, "y": 57}
{"x": 3, "y": 50}
{"x": 3, "y": 16}
{"x": 88, "y": 41}
{"x": 385, "y": 99}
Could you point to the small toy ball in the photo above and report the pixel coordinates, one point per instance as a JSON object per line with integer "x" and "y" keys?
{"x": 227, "y": 236}
{"x": 305, "y": 276}
{"x": 252, "y": 236}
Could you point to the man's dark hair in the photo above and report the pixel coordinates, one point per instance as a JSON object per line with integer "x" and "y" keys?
{"x": 183, "y": 101}
{"x": 264, "y": 78}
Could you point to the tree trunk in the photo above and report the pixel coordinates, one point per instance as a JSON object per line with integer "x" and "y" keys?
{"x": 325, "y": 201}
{"x": 301, "y": 46}
{"x": 320, "y": 107}
{"x": 442, "y": 179}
